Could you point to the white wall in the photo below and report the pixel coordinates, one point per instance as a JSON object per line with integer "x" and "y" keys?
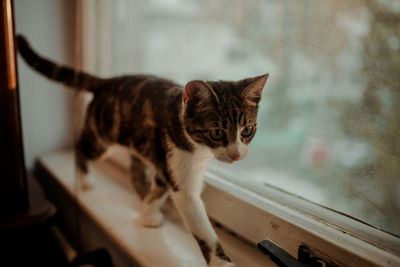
{"x": 46, "y": 106}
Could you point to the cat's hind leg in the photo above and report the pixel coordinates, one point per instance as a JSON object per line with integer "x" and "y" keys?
{"x": 87, "y": 149}
{"x": 150, "y": 213}
{"x": 141, "y": 176}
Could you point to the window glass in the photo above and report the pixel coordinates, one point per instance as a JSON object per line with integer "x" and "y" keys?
{"x": 329, "y": 121}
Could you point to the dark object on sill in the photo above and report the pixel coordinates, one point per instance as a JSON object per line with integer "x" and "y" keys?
{"x": 284, "y": 259}
{"x": 98, "y": 258}
{"x": 306, "y": 256}
{"x": 13, "y": 189}
{"x": 25, "y": 238}
{"x": 20, "y": 206}
{"x": 278, "y": 255}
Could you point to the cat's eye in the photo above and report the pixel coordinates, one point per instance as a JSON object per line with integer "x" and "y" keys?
{"x": 247, "y": 131}
{"x": 217, "y": 134}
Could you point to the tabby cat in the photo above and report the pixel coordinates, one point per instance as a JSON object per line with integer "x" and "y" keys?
{"x": 171, "y": 132}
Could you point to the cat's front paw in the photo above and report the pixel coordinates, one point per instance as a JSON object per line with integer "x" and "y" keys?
{"x": 217, "y": 262}
{"x": 152, "y": 220}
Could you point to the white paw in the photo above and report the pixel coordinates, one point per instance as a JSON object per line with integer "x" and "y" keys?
{"x": 153, "y": 219}
{"x": 86, "y": 184}
{"x": 217, "y": 262}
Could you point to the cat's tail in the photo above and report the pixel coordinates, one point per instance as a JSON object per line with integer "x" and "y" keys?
{"x": 65, "y": 75}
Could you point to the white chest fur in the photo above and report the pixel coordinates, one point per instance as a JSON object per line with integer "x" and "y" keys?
{"x": 188, "y": 168}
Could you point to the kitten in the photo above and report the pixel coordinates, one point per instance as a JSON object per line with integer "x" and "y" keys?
{"x": 171, "y": 131}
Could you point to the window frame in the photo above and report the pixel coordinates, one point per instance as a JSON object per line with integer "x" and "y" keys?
{"x": 262, "y": 217}
{"x": 332, "y": 235}
{"x": 341, "y": 221}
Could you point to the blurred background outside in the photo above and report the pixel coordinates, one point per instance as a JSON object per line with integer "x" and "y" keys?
{"x": 329, "y": 124}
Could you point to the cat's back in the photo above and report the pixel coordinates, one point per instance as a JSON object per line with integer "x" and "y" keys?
{"x": 133, "y": 86}
{"x": 135, "y": 109}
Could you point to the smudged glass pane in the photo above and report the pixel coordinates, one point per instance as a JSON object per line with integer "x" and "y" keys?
{"x": 329, "y": 121}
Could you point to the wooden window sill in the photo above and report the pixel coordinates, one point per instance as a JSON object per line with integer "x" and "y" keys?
{"x": 107, "y": 219}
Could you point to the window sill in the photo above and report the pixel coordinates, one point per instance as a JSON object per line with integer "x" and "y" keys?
{"x": 107, "y": 215}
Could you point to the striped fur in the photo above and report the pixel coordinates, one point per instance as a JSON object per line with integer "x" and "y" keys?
{"x": 171, "y": 131}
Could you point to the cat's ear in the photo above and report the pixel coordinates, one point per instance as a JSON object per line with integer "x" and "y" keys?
{"x": 196, "y": 90}
{"x": 253, "y": 88}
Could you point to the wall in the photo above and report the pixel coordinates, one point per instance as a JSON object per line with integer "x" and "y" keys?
{"x": 46, "y": 107}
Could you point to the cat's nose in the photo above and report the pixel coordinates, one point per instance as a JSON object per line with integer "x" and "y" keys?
{"x": 234, "y": 156}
